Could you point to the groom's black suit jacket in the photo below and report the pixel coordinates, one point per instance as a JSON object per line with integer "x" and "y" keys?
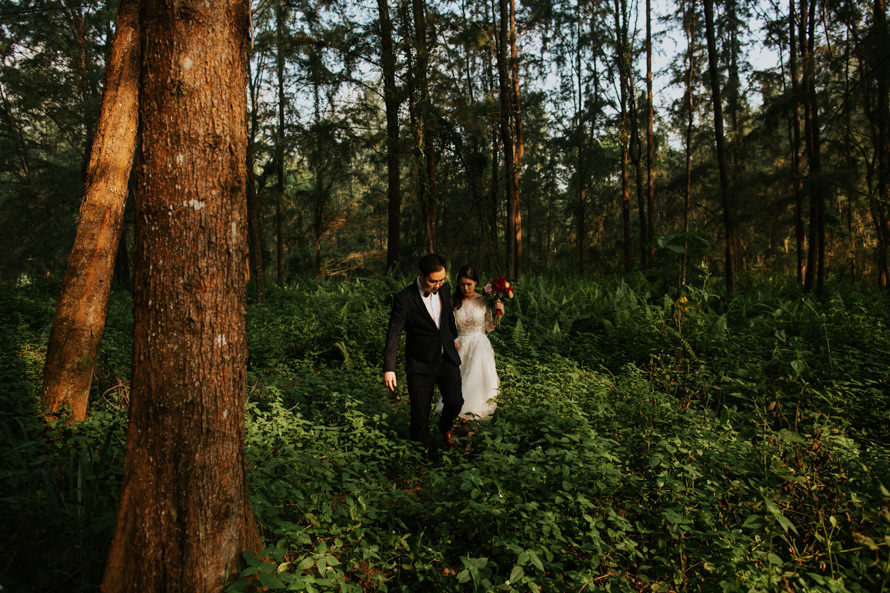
{"x": 424, "y": 342}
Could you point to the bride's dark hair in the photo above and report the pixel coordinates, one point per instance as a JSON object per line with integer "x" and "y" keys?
{"x": 465, "y": 272}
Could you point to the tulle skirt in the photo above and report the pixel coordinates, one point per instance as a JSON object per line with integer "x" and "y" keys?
{"x": 479, "y": 377}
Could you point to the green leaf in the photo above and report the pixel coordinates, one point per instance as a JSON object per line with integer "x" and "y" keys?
{"x": 779, "y": 517}
{"x": 516, "y": 574}
{"x": 535, "y": 560}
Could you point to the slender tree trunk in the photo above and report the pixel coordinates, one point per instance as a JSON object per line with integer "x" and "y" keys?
{"x": 623, "y": 63}
{"x": 280, "y": 32}
{"x": 689, "y": 20}
{"x": 814, "y": 279}
{"x": 415, "y": 122}
{"x": 78, "y": 31}
{"x": 122, "y": 275}
{"x": 728, "y": 221}
{"x": 650, "y": 136}
{"x": 882, "y": 144}
{"x": 492, "y": 204}
{"x": 796, "y": 176}
{"x": 254, "y": 226}
{"x": 185, "y": 517}
{"x": 580, "y": 131}
{"x": 80, "y": 312}
{"x": 425, "y": 126}
{"x": 518, "y": 149}
{"x": 506, "y": 129}
{"x": 636, "y": 156}
{"x": 255, "y": 229}
{"x": 391, "y": 101}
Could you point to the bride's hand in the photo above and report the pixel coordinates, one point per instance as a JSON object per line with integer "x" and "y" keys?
{"x": 499, "y": 306}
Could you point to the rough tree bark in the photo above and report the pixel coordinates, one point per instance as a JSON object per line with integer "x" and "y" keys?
{"x": 80, "y": 312}
{"x": 184, "y": 517}
{"x": 728, "y": 220}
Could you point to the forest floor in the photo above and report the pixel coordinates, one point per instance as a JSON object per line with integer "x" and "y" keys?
{"x": 644, "y": 441}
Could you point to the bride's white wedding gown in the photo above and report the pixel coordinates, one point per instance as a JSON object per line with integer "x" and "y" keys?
{"x": 479, "y": 377}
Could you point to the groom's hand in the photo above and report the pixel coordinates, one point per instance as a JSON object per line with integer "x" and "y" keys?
{"x": 389, "y": 379}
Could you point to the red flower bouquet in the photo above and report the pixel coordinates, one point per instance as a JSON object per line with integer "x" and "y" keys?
{"x": 497, "y": 289}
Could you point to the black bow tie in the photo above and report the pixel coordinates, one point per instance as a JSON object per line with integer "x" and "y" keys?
{"x": 426, "y": 294}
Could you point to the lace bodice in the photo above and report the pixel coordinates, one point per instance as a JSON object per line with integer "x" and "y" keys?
{"x": 473, "y": 317}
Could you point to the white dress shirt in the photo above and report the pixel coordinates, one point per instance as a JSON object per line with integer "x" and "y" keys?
{"x": 432, "y": 302}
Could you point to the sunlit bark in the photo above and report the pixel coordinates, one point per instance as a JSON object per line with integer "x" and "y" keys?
{"x": 185, "y": 518}
{"x": 80, "y": 312}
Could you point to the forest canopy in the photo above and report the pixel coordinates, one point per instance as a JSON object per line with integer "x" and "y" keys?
{"x": 614, "y": 138}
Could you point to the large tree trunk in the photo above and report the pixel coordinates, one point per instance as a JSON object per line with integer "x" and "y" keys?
{"x": 391, "y": 101}
{"x": 728, "y": 220}
{"x": 185, "y": 517}
{"x": 80, "y": 312}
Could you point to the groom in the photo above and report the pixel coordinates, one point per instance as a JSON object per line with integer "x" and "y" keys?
{"x": 423, "y": 311}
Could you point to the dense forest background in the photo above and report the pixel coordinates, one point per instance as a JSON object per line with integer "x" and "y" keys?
{"x": 619, "y": 161}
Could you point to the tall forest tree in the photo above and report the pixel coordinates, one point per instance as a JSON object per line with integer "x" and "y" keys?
{"x": 622, "y": 57}
{"x": 185, "y": 518}
{"x": 720, "y": 142}
{"x": 510, "y": 131}
{"x": 814, "y": 279}
{"x": 393, "y": 160}
{"x": 80, "y": 310}
{"x": 281, "y": 13}
{"x": 423, "y": 127}
{"x": 650, "y": 136}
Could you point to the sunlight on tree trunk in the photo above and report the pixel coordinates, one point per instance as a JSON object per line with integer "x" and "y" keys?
{"x": 80, "y": 312}
{"x": 185, "y": 517}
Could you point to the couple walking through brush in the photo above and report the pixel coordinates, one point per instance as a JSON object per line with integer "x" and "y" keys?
{"x": 445, "y": 345}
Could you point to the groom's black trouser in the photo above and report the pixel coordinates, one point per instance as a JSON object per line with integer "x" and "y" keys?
{"x": 446, "y": 375}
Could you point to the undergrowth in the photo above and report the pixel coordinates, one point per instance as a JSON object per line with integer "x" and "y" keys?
{"x": 643, "y": 442}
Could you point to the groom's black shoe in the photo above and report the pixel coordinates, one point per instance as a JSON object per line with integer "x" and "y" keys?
{"x": 448, "y": 437}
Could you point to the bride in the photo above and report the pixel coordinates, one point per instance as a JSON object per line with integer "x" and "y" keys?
{"x": 479, "y": 378}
